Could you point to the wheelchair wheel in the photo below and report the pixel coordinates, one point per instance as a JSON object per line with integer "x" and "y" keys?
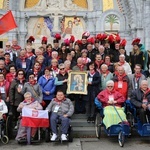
{"x": 121, "y": 138}
{"x": 47, "y": 135}
{"x": 98, "y": 122}
{"x": 70, "y": 134}
{"x": 8, "y": 128}
{"x": 4, "y": 139}
{"x": 130, "y": 119}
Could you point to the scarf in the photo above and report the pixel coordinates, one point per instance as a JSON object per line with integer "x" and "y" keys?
{"x": 80, "y": 67}
{"x": 49, "y": 53}
{"x": 120, "y": 77}
{"x": 105, "y": 73}
{"x": 7, "y": 62}
{"x": 33, "y": 82}
{"x": 99, "y": 63}
{"x": 137, "y": 76}
{"x": 47, "y": 77}
{"x": 23, "y": 58}
{"x": 108, "y": 64}
{"x": 59, "y": 101}
{"x": 16, "y": 47}
{"x": 54, "y": 68}
{"x": 29, "y": 54}
{"x": 121, "y": 63}
{"x": 92, "y": 72}
{"x": 27, "y": 103}
{"x": 145, "y": 92}
{"x": 36, "y": 71}
{"x": 110, "y": 92}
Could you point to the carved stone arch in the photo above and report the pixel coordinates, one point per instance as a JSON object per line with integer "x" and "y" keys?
{"x": 114, "y": 12}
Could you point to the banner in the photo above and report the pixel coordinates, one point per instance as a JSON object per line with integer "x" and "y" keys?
{"x": 7, "y": 23}
{"x": 35, "y": 118}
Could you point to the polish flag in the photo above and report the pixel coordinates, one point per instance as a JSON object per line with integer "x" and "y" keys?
{"x": 35, "y": 118}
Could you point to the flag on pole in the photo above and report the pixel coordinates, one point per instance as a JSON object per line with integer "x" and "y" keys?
{"x": 35, "y": 118}
{"x": 7, "y": 22}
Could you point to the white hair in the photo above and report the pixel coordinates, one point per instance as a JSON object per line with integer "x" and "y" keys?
{"x": 143, "y": 82}
{"x": 122, "y": 55}
{"x": 110, "y": 82}
{"x": 27, "y": 94}
{"x": 104, "y": 65}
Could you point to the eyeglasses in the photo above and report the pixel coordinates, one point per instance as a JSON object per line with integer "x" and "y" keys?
{"x": 62, "y": 68}
{"x": 20, "y": 73}
{"x": 109, "y": 86}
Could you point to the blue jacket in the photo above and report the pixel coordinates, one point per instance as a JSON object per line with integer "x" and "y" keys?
{"x": 47, "y": 85}
{"x": 19, "y": 64}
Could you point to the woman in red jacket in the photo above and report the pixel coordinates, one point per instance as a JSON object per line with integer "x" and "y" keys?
{"x": 12, "y": 74}
{"x": 111, "y": 99}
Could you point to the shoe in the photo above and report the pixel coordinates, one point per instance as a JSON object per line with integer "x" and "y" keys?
{"x": 92, "y": 119}
{"x": 54, "y": 137}
{"x": 89, "y": 120}
{"x": 63, "y": 137}
{"x": 15, "y": 128}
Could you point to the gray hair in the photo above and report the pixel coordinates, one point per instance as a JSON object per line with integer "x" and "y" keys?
{"x": 122, "y": 55}
{"x": 143, "y": 82}
{"x": 27, "y": 93}
{"x": 110, "y": 82}
{"x": 67, "y": 62}
{"x": 104, "y": 65}
{"x": 61, "y": 65}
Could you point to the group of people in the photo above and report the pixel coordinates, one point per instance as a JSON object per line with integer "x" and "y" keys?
{"x": 42, "y": 75}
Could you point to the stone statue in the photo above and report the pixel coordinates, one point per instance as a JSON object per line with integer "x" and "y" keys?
{"x": 47, "y": 5}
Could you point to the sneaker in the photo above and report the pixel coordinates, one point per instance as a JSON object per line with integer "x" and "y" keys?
{"x": 93, "y": 119}
{"x": 15, "y": 128}
{"x": 63, "y": 137}
{"x": 89, "y": 119}
{"x": 54, "y": 137}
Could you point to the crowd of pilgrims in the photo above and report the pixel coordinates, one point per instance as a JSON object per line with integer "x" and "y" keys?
{"x": 44, "y": 71}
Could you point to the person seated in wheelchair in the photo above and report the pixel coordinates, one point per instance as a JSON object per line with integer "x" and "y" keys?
{"x": 62, "y": 109}
{"x": 28, "y": 102}
{"x": 112, "y": 102}
{"x": 3, "y": 108}
{"x": 140, "y": 98}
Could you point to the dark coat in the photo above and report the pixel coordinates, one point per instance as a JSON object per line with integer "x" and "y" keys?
{"x": 137, "y": 97}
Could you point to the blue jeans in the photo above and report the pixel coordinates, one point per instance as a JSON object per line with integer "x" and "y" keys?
{"x": 65, "y": 122}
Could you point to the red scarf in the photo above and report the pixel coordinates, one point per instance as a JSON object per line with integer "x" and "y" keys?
{"x": 121, "y": 63}
{"x": 35, "y": 71}
{"x": 105, "y": 73}
{"x": 32, "y": 82}
{"x": 49, "y": 53}
{"x": 138, "y": 75}
{"x": 146, "y": 92}
{"x": 29, "y": 54}
{"x": 99, "y": 63}
{"x": 108, "y": 64}
{"x": 7, "y": 62}
{"x": 92, "y": 72}
{"x": 80, "y": 67}
{"x": 54, "y": 68}
{"x": 60, "y": 101}
{"x": 23, "y": 58}
{"x": 16, "y": 47}
{"x": 110, "y": 92}
{"x": 120, "y": 77}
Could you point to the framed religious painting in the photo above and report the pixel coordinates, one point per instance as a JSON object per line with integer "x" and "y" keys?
{"x": 77, "y": 82}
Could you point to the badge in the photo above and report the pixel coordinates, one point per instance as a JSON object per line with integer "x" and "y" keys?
{"x": 120, "y": 84}
{"x": 56, "y": 108}
{"x": 111, "y": 98}
{"x": 24, "y": 65}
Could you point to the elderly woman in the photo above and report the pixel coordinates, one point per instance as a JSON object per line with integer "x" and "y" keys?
{"x": 34, "y": 88}
{"x": 112, "y": 102}
{"x": 29, "y": 102}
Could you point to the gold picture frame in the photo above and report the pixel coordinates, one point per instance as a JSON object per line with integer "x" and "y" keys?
{"x": 77, "y": 82}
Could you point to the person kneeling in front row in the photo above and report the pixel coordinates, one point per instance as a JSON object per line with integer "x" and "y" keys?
{"x": 61, "y": 108}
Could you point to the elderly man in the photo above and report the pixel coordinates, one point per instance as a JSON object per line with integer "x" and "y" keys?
{"x": 140, "y": 98}
{"x": 60, "y": 108}
{"x": 124, "y": 64}
{"x": 122, "y": 83}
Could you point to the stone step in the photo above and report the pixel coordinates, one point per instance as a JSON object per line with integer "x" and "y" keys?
{"x": 79, "y": 116}
{"x": 84, "y": 132}
{"x": 82, "y": 122}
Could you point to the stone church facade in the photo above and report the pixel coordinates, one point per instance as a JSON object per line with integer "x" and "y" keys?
{"x": 129, "y": 18}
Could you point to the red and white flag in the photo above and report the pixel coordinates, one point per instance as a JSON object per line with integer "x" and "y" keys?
{"x": 35, "y": 118}
{"x": 7, "y": 22}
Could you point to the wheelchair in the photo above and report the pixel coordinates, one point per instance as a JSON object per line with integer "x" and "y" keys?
{"x": 121, "y": 130}
{"x": 28, "y": 140}
{"x": 48, "y": 133}
{"x": 142, "y": 129}
{"x": 4, "y": 128}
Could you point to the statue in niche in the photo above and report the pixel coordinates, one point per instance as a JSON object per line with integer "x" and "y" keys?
{"x": 70, "y": 5}
{"x": 48, "y": 4}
